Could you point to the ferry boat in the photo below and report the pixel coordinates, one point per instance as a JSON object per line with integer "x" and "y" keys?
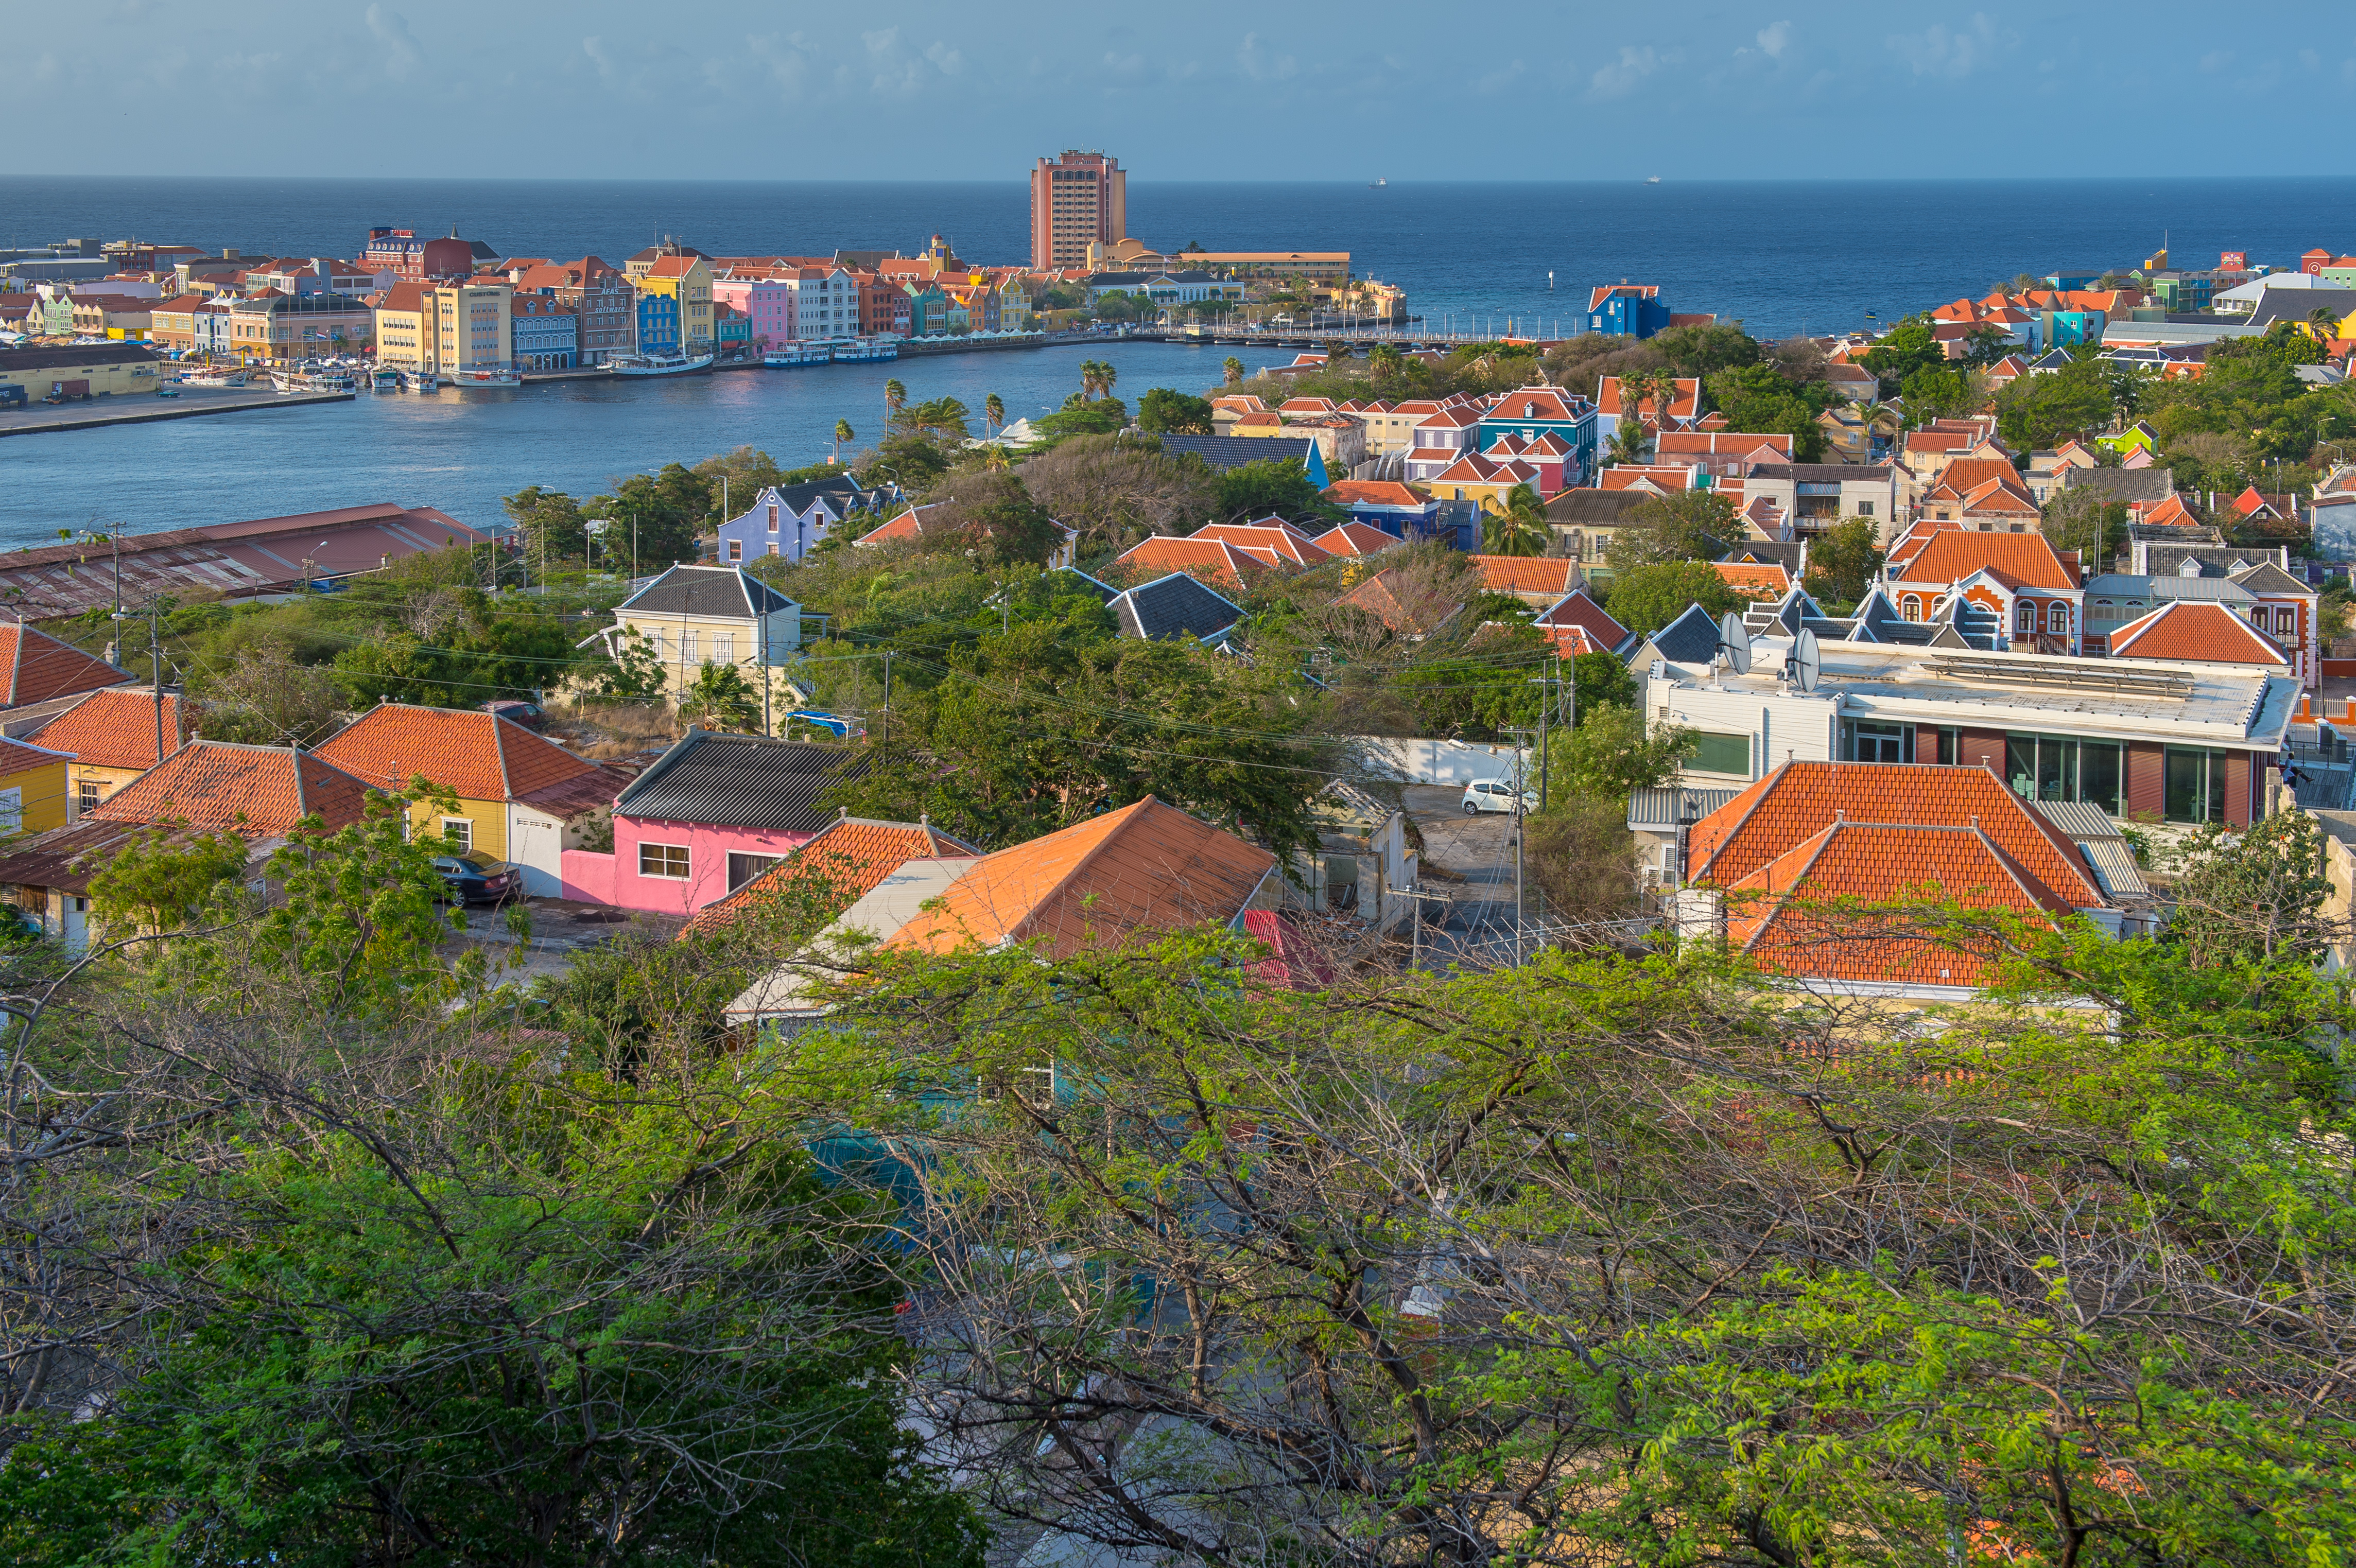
{"x": 420, "y": 380}
{"x": 795, "y": 353}
{"x": 386, "y": 379}
{"x": 660, "y": 365}
{"x": 861, "y": 350}
{"x": 213, "y": 377}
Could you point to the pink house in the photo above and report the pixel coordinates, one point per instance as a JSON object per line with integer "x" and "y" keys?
{"x": 713, "y": 812}
{"x": 767, "y": 303}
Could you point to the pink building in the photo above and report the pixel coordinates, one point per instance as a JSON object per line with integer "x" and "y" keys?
{"x": 712, "y": 814}
{"x": 769, "y": 303}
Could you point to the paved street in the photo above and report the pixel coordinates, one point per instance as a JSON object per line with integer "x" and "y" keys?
{"x": 1469, "y": 861}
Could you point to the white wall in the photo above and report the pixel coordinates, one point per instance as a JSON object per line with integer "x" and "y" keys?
{"x": 1437, "y": 761}
{"x": 1782, "y": 727}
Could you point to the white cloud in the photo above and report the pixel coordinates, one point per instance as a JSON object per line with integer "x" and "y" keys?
{"x": 1939, "y": 51}
{"x": 1258, "y": 64}
{"x": 390, "y": 29}
{"x": 1627, "y": 73}
{"x": 1774, "y": 40}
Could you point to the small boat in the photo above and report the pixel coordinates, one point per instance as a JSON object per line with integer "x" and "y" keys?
{"x": 1378, "y": 185}
{"x": 1652, "y": 179}
{"x": 386, "y": 379}
{"x": 214, "y": 377}
{"x": 496, "y": 376}
{"x": 167, "y": 391}
{"x": 420, "y": 380}
{"x": 660, "y": 365}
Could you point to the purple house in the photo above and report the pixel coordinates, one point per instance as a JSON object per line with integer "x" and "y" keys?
{"x": 788, "y": 520}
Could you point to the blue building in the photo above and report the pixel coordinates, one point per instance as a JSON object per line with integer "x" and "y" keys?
{"x": 658, "y": 324}
{"x": 1529, "y": 412}
{"x": 1399, "y": 510}
{"x": 547, "y": 332}
{"x": 788, "y": 520}
{"x": 1627, "y": 310}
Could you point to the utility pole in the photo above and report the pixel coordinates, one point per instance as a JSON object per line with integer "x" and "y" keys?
{"x": 155, "y": 672}
{"x": 1519, "y": 820}
{"x": 888, "y": 698}
{"x": 634, "y": 545}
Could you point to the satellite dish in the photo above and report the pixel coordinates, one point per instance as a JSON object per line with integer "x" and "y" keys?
{"x": 1734, "y": 642}
{"x": 1807, "y": 661}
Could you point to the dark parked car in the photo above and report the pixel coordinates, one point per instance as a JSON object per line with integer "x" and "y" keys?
{"x": 477, "y": 879}
{"x": 527, "y": 714}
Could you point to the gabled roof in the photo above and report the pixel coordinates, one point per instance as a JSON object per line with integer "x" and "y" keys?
{"x": 1178, "y": 605}
{"x": 114, "y": 729}
{"x": 1667, "y": 479}
{"x": 1533, "y": 574}
{"x": 1215, "y": 560}
{"x": 2198, "y": 630}
{"x": 1799, "y": 800}
{"x": 741, "y": 780}
{"x": 1273, "y": 541}
{"x": 1950, "y": 555}
{"x": 852, "y": 855}
{"x": 1142, "y": 871}
{"x": 1682, "y": 403}
{"x": 35, "y": 667}
{"x": 706, "y": 593}
{"x": 1753, "y": 577}
{"x": 1578, "y": 608}
{"x": 1379, "y": 596}
{"x": 1592, "y": 506}
{"x": 1634, "y": 291}
{"x": 473, "y": 754}
{"x": 1357, "y": 540}
{"x": 1690, "y": 639}
{"x": 1526, "y": 403}
{"x": 1374, "y": 493}
{"x": 254, "y": 792}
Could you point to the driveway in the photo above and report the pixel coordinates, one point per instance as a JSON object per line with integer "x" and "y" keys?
{"x": 1468, "y": 878}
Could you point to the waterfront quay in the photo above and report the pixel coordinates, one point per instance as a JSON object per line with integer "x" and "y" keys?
{"x": 47, "y": 419}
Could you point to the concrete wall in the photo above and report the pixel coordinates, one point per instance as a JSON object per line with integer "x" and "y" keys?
{"x": 1436, "y": 761}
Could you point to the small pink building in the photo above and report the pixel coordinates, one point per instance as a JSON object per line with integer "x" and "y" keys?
{"x": 767, "y": 303}
{"x": 713, "y": 812}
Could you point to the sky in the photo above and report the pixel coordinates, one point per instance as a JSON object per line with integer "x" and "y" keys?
{"x": 1403, "y": 89}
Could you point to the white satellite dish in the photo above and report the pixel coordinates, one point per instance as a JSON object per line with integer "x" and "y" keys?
{"x": 1734, "y": 642}
{"x": 1807, "y": 661}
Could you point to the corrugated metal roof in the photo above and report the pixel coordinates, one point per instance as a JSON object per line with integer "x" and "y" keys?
{"x": 721, "y": 592}
{"x": 741, "y": 781}
{"x": 1669, "y": 808}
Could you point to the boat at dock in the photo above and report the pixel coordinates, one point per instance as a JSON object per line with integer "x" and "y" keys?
{"x": 791, "y": 356}
{"x": 862, "y": 349}
{"x": 497, "y": 376}
{"x": 660, "y": 365}
{"x": 213, "y": 377}
{"x": 420, "y": 380}
{"x": 386, "y": 379}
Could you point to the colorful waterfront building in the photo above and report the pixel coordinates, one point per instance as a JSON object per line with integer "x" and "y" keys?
{"x": 1627, "y": 310}
{"x": 686, "y": 326}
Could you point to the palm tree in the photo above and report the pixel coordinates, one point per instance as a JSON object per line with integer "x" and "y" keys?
{"x": 1088, "y": 369}
{"x": 1383, "y": 361}
{"x": 1106, "y": 376}
{"x": 1520, "y": 529}
{"x": 994, "y": 459}
{"x": 842, "y": 434}
{"x": 895, "y": 397}
{"x": 994, "y": 412}
{"x": 1234, "y": 368}
{"x": 2325, "y": 322}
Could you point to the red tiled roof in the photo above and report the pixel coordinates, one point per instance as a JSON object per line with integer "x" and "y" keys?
{"x": 1756, "y": 578}
{"x": 1951, "y": 555}
{"x": 1532, "y": 403}
{"x": 1578, "y": 609}
{"x": 2201, "y": 631}
{"x": 1270, "y": 543}
{"x": 853, "y": 854}
{"x": 1357, "y": 540}
{"x": 1143, "y": 870}
{"x": 255, "y": 791}
{"x": 1682, "y": 403}
{"x": 114, "y": 729}
{"x": 474, "y": 755}
{"x": 1634, "y": 476}
{"x": 1605, "y": 291}
{"x": 2171, "y": 512}
{"x": 1800, "y": 800}
{"x": 36, "y": 667}
{"x": 1372, "y": 493}
{"x": 1215, "y": 561}
{"x": 1524, "y": 574}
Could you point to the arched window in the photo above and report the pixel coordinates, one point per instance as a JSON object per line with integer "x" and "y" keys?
{"x": 2026, "y": 619}
{"x": 2057, "y": 618}
{"x": 1911, "y": 607}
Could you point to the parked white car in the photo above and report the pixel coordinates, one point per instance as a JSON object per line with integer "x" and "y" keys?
{"x": 1496, "y": 795}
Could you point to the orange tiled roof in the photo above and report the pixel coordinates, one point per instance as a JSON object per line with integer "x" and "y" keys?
{"x": 1757, "y": 578}
{"x": 1578, "y": 609}
{"x": 477, "y": 756}
{"x": 255, "y": 791}
{"x": 1682, "y": 403}
{"x": 855, "y": 854}
{"x": 1372, "y": 493}
{"x": 2201, "y": 631}
{"x": 1968, "y": 472}
{"x": 1800, "y": 800}
{"x": 1143, "y": 870}
{"x": 114, "y": 729}
{"x": 36, "y": 667}
{"x": 1357, "y": 540}
{"x": 1378, "y": 597}
{"x": 1952, "y": 554}
{"x": 1532, "y": 403}
{"x": 2171, "y": 512}
{"x": 1524, "y": 574}
{"x": 1215, "y": 561}
{"x": 1635, "y": 475}
{"x": 1779, "y": 914}
{"x": 1269, "y": 544}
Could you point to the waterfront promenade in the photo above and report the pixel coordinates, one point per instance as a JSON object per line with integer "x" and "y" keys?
{"x": 51, "y": 419}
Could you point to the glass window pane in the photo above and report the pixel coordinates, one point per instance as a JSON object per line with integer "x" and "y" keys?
{"x": 2101, "y": 773}
{"x": 2187, "y": 786}
{"x": 1721, "y": 754}
{"x": 2020, "y": 764}
{"x": 2057, "y": 768}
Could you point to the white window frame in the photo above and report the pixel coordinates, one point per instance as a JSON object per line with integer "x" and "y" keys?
{"x": 463, "y": 840}
{"x": 662, "y": 855}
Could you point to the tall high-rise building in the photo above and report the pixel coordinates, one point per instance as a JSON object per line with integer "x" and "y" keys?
{"x": 1075, "y": 200}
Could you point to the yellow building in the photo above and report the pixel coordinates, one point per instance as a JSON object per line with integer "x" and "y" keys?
{"x": 688, "y": 281}
{"x": 110, "y": 738}
{"x": 32, "y": 788}
{"x": 78, "y": 368}
{"x": 450, "y": 329}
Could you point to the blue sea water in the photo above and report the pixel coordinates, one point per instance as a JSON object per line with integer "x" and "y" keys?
{"x": 1783, "y": 257}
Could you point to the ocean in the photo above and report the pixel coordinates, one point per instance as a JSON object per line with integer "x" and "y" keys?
{"x": 1782, "y": 257}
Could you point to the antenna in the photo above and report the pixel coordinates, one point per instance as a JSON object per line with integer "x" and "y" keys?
{"x": 1734, "y": 642}
{"x": 1806, "y": 664}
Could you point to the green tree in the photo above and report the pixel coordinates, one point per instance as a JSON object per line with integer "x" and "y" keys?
{"x": 1599, "y": 678}
{"x": 1692, "y": 524}
{"x": 1279, "y": 487}
{"x": 1647, "y": 597}
{"x": 1842, "y": 559}
{"x": 2041, "y": 410}
{"x": 721, "y": 699}
{"x": 551, "y": 523}
{"x": 993, "y": 412}
{"x": 1609, "y": 755}
{"x": 1078, "y": 416}
{"x": 1166, "y": 412}
{"x": 1521, "y": 529}
{"x": 734, "y": 478}
{"x": 1940, "y": 391}
{"x": 1232, "y": 369}
{"x": 1756, "y": 398}
{"x": 1908, "y": 346}
{"x": 2255, "y": 897}
{"x": 666, "y": 509}
{"x": 160, "y": 879}
{"x": 938, "y": 419}
{"x": 896, "y": 396}
{"x": 843, "y": 435}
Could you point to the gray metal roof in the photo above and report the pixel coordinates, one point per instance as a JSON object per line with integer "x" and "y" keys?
{"x": 1691, "y": 638}
{"x": 1673, "y": 807}
{"x": 2100, "y": 841}
{"x": 2121, "y": 483}
{"x": 741, "y": 781}
{"x": 1226, "y": 452}
{"x": 1177, "y": 605}
{"x": 2219, "y": 589}
{"x": 1072, "y": 580}
{"x": 707, "y": 592}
